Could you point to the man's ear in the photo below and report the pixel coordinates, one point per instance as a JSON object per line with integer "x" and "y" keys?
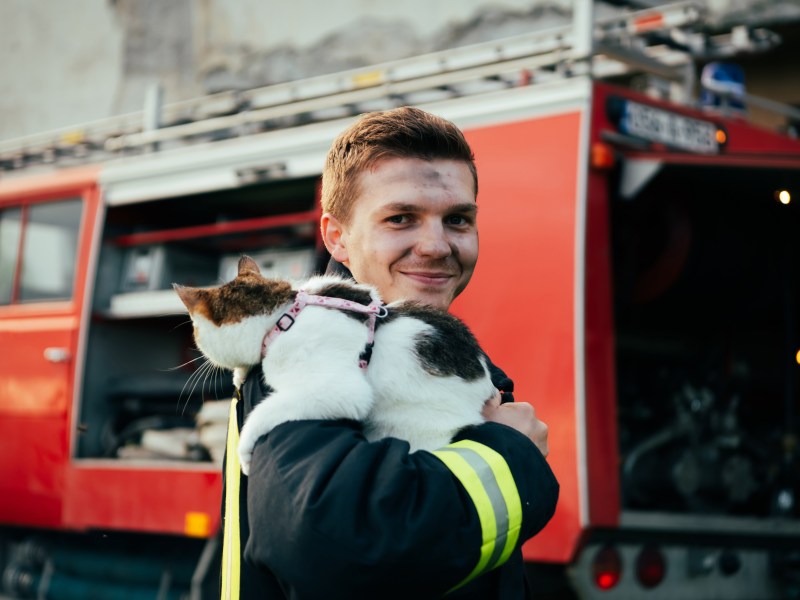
{"x": 334, "y": 236}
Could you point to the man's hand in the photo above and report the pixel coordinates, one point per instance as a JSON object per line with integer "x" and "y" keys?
{"x": 520, "y": 416}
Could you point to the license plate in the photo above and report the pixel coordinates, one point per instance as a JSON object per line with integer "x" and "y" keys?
{"x": 669, "y": 128}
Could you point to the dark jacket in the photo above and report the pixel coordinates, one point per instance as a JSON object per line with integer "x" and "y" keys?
{"x": 326, "y": 514}
{"x": 334, "y": 516}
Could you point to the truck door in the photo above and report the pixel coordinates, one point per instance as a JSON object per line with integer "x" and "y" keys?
{"x": 44, "y": 245}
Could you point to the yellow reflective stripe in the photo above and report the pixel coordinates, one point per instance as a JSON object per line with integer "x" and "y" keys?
{"x": 508, "y": 487}
{"x": 471, "y": 482}
{"x": 488, "y": 481}
{"x": 231, "y": 544}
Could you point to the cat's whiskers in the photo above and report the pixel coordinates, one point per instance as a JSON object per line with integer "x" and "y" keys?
{"x": 188, "y": 362}
{"x": 206, "y": 373}
{"x": 196, "y": 376}
{"x": 181, "y": 324}
{"x": 217, "y": 373}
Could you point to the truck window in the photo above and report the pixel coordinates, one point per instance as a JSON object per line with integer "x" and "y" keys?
{"x": 49, "y": 236}
{"x": 10, "y": 229}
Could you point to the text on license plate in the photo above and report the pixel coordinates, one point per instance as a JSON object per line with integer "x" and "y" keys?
{"x": 669, "y": 128}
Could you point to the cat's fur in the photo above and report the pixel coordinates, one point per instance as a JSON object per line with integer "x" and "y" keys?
{"x": 427, "y": 377}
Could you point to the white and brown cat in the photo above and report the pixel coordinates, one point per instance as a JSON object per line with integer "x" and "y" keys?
{"x": 426, "y": 379}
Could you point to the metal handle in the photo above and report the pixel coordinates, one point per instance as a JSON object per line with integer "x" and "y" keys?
{"x": 57, "y": 355}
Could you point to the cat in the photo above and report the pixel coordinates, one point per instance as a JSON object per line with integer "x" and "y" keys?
{"x": 426, "y": 379}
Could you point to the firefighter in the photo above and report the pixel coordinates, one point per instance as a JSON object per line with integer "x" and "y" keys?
{"x": 326, "y": 514}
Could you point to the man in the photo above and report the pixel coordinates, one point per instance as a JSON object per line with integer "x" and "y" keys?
{"x": 329, "y": 515}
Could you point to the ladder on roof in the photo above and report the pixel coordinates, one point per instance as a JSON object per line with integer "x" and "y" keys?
{"x": 660, "y": 40}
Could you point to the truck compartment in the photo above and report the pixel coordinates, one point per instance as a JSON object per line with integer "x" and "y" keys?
{"x": 705, "y": 285}
{"x": 145, "y": 382}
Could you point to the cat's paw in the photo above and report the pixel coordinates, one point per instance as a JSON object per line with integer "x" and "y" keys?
{"x": 245, "y": 458}
{"x": 257, "y": 425}
{"x": 247, "y": 441}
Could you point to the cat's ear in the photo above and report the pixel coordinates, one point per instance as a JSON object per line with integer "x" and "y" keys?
{"x": 334, "y": 235}
{"x": 189, "y": 296}
{"x": 248, "y": 265}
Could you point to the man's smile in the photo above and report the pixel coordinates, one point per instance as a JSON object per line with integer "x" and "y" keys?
{"x": 428, "y": 277}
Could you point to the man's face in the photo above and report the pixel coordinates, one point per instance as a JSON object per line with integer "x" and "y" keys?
{"x": 412, "y": 231}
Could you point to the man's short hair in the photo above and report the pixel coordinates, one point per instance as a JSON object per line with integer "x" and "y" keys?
{"x": 405, "y": 132}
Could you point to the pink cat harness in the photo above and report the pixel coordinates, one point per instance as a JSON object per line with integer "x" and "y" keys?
{"x": 374, "y": 309}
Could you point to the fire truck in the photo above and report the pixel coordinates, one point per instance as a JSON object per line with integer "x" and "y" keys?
{"x": 637, "y": 279}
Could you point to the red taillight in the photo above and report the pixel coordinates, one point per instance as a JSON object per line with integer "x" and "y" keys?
{"x": 605, "y": 581}
{"x": 650, "y": 567}
{"x": 606, "y": 568}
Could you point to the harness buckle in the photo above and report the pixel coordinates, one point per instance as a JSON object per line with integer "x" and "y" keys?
{"x": 288, "y": 325}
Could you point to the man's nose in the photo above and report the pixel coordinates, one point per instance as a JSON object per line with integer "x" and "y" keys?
{"x": 433, "y": 242}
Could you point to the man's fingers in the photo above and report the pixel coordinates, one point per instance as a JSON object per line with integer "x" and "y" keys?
{"x": 491, "y": 405}
{"x": 520, "y": 416}
{"x": 494, "y": 400}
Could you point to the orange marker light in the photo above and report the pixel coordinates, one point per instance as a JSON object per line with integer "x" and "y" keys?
{"x": 721, "y": 136}
{"x": 602, "y": 156}
{"x": 197, "y": 524}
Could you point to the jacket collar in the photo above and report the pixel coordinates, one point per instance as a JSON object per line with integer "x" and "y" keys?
{"x": 337, "y": 268}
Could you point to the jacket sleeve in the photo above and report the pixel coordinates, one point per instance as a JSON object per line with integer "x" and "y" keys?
{"x": 330, "y": 511}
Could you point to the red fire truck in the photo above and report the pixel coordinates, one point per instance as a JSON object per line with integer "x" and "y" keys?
{"x": 638, "y": 279}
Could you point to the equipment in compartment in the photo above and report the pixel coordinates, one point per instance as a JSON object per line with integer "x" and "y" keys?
{"x": 291, "y": 264}
{"x": 149, "y": 268}
{"x": 156, "y": 415}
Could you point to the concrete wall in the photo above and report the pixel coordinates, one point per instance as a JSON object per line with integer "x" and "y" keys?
{"x": 70, "y": 62}
{"x": 61, "y": 63}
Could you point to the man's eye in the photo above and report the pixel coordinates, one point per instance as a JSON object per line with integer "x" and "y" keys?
{"x": 398, "y": 219}
{"x": 458, "y": 220}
